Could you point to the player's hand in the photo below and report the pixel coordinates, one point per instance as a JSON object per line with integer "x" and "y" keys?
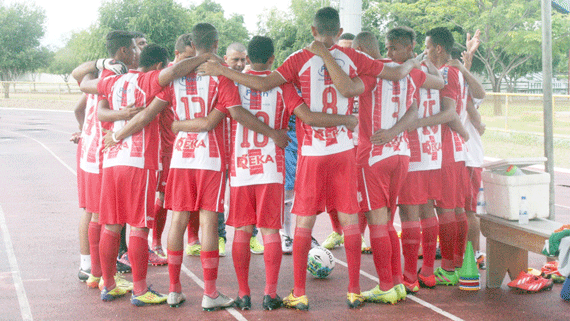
{"x": 473, "y": 43}
{"x": 130, "y": 111}
{"x": 415, "y": 63}
{"x": 467, "y": 59}
{"x": 75, "y": 137}
{"x": 211, "y": 68}
{"x": 280, "y": 138}
{"x": 108, "y": 140}
{"x": 481, "y": 128}
{"x": 318, "y": 48}
{"x": 464, "y": 134}
{"x": 381, "y": 137}
{"x": 351, "y": 123}
{"x": 111, "y": 64}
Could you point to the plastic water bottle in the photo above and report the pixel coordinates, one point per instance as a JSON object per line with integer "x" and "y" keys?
{"x": 481, "y": 204}
{"x": 523, "y": 211}
{"x": 514, "y": 171}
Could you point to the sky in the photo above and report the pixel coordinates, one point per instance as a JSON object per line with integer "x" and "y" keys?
{"x": 65, "y": 16}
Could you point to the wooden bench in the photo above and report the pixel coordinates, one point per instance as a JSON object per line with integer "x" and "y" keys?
{"x": 508, "y": 244}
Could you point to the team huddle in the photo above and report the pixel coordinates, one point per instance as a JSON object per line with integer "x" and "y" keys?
{"x": 179, "y": 130}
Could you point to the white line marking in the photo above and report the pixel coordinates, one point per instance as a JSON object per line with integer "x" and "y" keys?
{"x": 15, "y": 270}
{"x": 200, "y": 283}
{"x": 566, "y": 207}
{"x": 52, "y": 153}
{"x": 36, "y": 109}
{"x": 411, "y": 297}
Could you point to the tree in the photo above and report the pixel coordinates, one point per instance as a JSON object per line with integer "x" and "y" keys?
{"x": 21, "y": 28}
{"x": 63, "y": 63}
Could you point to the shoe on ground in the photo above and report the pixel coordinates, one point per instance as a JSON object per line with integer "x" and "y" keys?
{"x": 93, "y": 281}
{"x": 287, "y": 245}
{"x": 412, "y": 287}
{"x": 84, "y": 275}
{"x": 155, "y": 259}
{"x": 532, "y": 283}
{"x": 333, "y": 240}
{"x": 428, "y": 282}
{"x": 443, "y": 277}
{"x": 111, "y": 295}
{"x": 521, "y": 279}
{"x": 550, "y": 271}
{"x": 255, "y": 246}
{"x": 365, "y": 249}
{"x": 149, "y": 297}
{"x": 222, "y": 246}
{"x": 221, "y": 302}
{"x": 354, "y": 300}
{"x": 480, "y": 258}
{"x": 175, "y": 299}
{"x": 314, "y": 243}
{"x": 243, "y": 303}
{"x": 196, "y": 248}
{"x": 378, "y": 296}
{"x": 401, "y": 291}
{"x": 123, "y": 264}
{"x": 270, "y": 303}
{"x": 120, "y": 282}
{"x": 159, "y": 251}
{"x": 293, "y": 302}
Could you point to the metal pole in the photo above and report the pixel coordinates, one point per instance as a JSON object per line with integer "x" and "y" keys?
{"x": 547, "y": 97}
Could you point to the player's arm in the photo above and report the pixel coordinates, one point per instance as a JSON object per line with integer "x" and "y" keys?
{"x": 137, "y": 123}
{"x": 317, "y": 119}
{"x": 92, "y": 67}
{"x": 255, "y": 82}
{"x": 384, "y": 136}
{"x": 104, "y": 113}
{"x": 475, "y": 117}
{"x": 400, "y": 71}
{"x": 182, "y": 68}
{"x": 79, "y": 112}
{"x": 200, "y": 124}
{"x": 434, "y": 79}
{"x": 475, "y": 87}
{"x": 247, "y": 119}
{"x": 446, "y": 114}
{"x": 89, "y": 84}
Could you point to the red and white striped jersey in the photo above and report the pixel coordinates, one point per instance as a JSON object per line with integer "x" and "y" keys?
{"x": 382, "y": 105}
{"x": 453, "y": 145}
{"x": 136, "y": 88}
{"x": 425, "y": 142}
{"x": 196, "y": 96}
{"x": 308, "y": 73}
{"x": 255, "y": 158}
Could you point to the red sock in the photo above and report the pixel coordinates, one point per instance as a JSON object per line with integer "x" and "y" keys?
{"x": 159, "y": 222}
{"x": 241, "y": 256}
{"x": 108, "y": 252}
{"x": 411, "y": 237}
{"x": 430, "y": 230}
{"x": 362, "y": 222}
{"x": 301, "y": 247}
{"x": 175, "y": 259}
{"x": 193, "y": 227}
{"x": 396, "y": 258}
{"x": 335, "y": 222}
{"x": 138, "y": 256}
{"x": 382, "y": 253}
{"x": 210, "y": 261}
{"x": 461, "y": 240}
{"x": 447, "y": 237}
{"x": 272, "y": 256}
{"x": 94, "y": 236}
{"x": 352, "y": 242}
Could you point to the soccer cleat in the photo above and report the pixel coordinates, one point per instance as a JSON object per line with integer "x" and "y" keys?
{"x": 120, "y": 283}
{"x": 93, "y": 281}
{"x": 196, "y": 248}
{"x": 550, "y": 271}
{"x": 401, "y": 291}
{"x": 521, "y": 279}
{"x": 365, "y": 249}
{"x": 243, "y": 303}
{"x": 112, "y": 294}
{"x": 155, "y": 259}
{"x": 333, "y": 240}
{"x": 443, "y": 277}
{"x": 255, "y": 246}
{"x": 222, "y": 246}
{"x": 378, "y": 296}
{"x": 84, "y": 275}
{"x": 149, "y": 297}
{"x": 413, "y": 287}
{"x": 175, "y": 299}
{"x": 287, "y": 245}
{"x": 271, "y": 303}
{"x": 314, "y": 243}
{"x": 220, "y": 302}
{"x": 299, "y": 303}
{"x": 427, "y": 281}
{"x": 159, "y": 251}
{"x": 123, "y": 264}
{"x": 536, "y": 284}
{"x": 480, "y": 258}
{"x": 354, "y": 300}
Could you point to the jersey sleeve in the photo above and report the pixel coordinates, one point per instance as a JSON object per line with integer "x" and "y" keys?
{"x": 451, "y": 81}
{"x": 366, "y": 65}
{"x": 228, "y": 95}
{"x": 291, "y": 97}
{"x": 369, "y": 82}
{"x": 153, "y": 85}
{"x": 288, "y": 70}
{"x": 105, "y": 85}
{"x": 419, "y": 77}
{"x": 166, "y": 94}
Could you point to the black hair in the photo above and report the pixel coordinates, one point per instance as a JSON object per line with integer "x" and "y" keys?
{"x": 327, "y": 21}
{"x": 443, "y": 37}
{"x": 153, "y": 54}
{"x": 137, "y": 34}
{"x": 404, "y": 35}
{"x": 260, "y": 49}
{"x": 204, "y": 36}
{"x": 347, "y": 36}
{"x": 183, "y": 41}
{"x": 117, "y": 39}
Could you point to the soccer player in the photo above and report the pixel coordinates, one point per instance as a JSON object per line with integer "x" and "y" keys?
{"x": 345, "y": 40}
{"x": 319, "y": 185}
{"x": 140, "y": 40}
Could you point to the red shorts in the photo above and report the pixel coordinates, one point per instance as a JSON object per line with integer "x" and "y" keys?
{"x": 326, "y": 183}
{"x": 80, "y": 191}
{"x": 453, "y": 185}
{"x": 91, "y": 187}
{"x": 259, "y": 205}
{"x": 379, "y": 185}
{"x": 474, "y": 178}
{"x": 163, "y": 174}
{"x": 419, "y": 187}
{"x": 189, "y": 190}
{"x": 127, "y": 196}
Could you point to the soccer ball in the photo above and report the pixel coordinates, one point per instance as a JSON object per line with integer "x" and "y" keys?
{"x": 320, "y": 262}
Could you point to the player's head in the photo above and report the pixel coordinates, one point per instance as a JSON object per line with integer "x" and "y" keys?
{"x": 205, "y": 37}
{"x": 153, "y": 57}
{"x": 345, "y": 40}
{"x": 400, "y": 42}
{"x": 260, "y": 52}
{"x": 183, "y": 47}
{"x": 439, "y": 43}
{"x": 326, "y": 23}
{"x": 366, "y": 42}
{"x": 235, "y": 56}
{"x": 140, "y": 40}
{"x": 121, "y": 46}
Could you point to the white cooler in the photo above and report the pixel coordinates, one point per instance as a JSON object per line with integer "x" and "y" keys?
{"x": 503, "y": 193}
